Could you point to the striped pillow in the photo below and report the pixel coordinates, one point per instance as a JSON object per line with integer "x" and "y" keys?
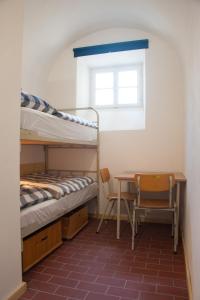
{"x": 35, "y": 102}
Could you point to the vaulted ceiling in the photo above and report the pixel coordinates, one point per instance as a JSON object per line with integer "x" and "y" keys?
{"x": 51, "y": 25}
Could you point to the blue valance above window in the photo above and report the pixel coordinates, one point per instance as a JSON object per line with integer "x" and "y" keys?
{"x": 113, "y": 47}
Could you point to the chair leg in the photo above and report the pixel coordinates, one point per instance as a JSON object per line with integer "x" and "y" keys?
{"x": 128, "y": 212}
{"x": 136, "y": 224}
{"x": 111, "y": 208}
{"x": 133, "y": 230}
{"x": 175, "y": 231}
{"x": 172, "y": 233}
{"x": 103, "y": 216}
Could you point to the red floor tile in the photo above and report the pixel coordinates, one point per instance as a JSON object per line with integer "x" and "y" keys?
{"x": 140, "y": 286}
{"x": 69, "y": 292}
{"x": 42, "y": 286}
{"x": 180, "y": 283}
{"x": 36, "y": 275}
{"x": 172, "y": 291}
{"x": 172, "y": 275}
{"x": 57, "y": 272}
{"x": 82, "y": 277}
{"x": 159, "y": 267}
{"x": 64, "y": 281}
{"x": 53, "y": 264}
{"x": 148, "y": 296}
{"x": 111, "y": 281}
{"x": 181, "y": 298}
{"x": 158, "y": 280}
{"x": 46, "y": 296}
{"x": 129, "y": 276}
{"x": 120, "y": 292}
{"x": 101, "y": 271}
{"x": 75, "y": 268}
{"x": 99, "y": 267}
{"x": 95, "y": 296}
{"x": 93, "y": 287}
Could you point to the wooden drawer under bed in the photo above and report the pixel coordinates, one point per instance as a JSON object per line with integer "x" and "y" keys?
{"x": 74, "y": 222}
{"x": 40, "y": 244}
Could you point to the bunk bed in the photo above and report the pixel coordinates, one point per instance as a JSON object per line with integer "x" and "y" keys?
{"x": 44, "y": 224}
{"x": 42, "y": 124}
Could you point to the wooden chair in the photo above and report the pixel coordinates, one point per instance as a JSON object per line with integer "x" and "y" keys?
{"x": 149, "y": 190}
{"x": 112, "y": 197}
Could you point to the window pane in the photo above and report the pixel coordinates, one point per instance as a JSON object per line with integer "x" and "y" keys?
{"x": 104, "y": 80}
{"x": 127, "y": 78}
{"x": 127, "y": 96}
{"x": 104, "y": 97}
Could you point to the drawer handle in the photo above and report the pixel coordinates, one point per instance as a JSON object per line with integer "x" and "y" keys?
{"x": 44, "y": 238}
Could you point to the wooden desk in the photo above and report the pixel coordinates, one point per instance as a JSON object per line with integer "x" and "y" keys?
{"x": 130, "y": 177}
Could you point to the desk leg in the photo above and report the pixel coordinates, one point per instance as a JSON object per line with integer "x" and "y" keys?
{"x": 118, "y": 209}
{"x": 177, "y": 220}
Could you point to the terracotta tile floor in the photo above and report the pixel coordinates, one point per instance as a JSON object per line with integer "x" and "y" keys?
{"x": 99, "y": 267}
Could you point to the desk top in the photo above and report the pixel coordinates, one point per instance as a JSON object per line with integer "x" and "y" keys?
{"x": 179, "y": 177}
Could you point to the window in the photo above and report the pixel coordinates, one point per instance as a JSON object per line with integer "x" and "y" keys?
{"x": 119, "y": 86}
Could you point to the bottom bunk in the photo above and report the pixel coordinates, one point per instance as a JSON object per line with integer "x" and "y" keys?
{"x": 41, "y": 214}
{"x": 45, "y": 222}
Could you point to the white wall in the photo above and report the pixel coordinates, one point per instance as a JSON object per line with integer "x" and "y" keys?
{"x": 11, "y": 18}
{"x": 192, "y": 211}
{"x": 31, "y": 154}
{"x": 161, "y": 145}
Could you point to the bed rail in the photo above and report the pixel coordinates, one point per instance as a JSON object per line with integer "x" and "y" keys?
{"x": 97, "y": 148}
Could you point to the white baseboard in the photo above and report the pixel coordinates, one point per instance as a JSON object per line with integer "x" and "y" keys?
{"x": 18, "y": 292}
{"x": 188, "y": 272}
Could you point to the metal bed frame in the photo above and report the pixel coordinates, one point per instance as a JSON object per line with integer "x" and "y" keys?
{"x": 51, "y": 144}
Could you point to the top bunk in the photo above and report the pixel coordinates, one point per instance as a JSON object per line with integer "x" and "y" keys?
{"x": 42, "y": 124}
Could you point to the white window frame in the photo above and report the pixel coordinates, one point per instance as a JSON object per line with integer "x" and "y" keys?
{"x": 115, "y": 70}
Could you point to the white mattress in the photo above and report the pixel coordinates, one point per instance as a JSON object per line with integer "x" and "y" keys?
{"x": 37, "y": 216}
{"x": 49, "y": 126}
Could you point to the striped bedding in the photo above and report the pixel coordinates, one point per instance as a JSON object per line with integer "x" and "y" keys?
{"x": 30, "y": 195}
{"x": 41, "y": 187}
{"x": 76, "y": 119}
{"x": 37, "y": 103}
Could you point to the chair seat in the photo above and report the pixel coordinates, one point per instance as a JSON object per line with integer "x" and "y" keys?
{"x": 154, "y": 203}
{"x": 124, "y": 196}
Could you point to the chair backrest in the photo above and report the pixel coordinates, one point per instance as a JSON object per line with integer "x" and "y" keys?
{"x": 155, "y": 183}
{"x": 105, "y": 175}
{"x": 105, "y": 178}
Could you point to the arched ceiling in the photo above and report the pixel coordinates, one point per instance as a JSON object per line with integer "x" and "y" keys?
{"x": 51, "y": 25}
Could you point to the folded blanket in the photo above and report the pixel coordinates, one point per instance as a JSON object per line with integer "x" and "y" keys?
{"x": 45, "y": 186}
